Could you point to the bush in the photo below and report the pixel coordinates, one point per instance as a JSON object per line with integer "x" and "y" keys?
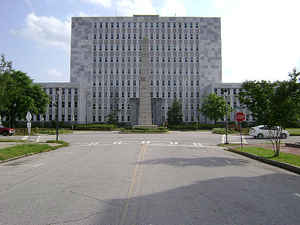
{"x": 144, "y": 130}
{"x": 222, "y": 131}
{"x": 101, "y": 127}
{"x": 194, "y": 126}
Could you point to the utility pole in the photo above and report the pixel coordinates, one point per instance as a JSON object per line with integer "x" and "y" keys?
{"x": 226, "y": 118}
{"x": 57, "y": 96}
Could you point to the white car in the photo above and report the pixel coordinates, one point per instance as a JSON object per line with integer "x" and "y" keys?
{"x": 263, "y": 131}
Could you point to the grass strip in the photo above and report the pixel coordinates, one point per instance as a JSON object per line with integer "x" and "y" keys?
{"x": 294, "y": 131}
{"x": 269, "y": 154}
{"x": 26, "y": 149}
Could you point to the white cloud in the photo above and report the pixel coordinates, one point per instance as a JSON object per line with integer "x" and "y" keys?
{"x": 131, "y": 7}
{"x": 54, "y": 75}
{"x": 172, "y": 8}
{"x": 104, "y": 3}
{"x": 48, "y": 31}
{"x": 260, "y": 39}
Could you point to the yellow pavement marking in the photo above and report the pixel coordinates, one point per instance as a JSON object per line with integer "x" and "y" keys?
{"x": 137, "y": 172}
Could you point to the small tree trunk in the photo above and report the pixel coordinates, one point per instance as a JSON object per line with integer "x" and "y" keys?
{"x": 277, "y": 147}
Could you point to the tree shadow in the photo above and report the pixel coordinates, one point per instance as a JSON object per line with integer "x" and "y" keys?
{"x": 201, "y": 161}
{"x": 268, "y": 199}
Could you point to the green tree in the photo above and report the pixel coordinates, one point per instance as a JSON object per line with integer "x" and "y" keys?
{"x": 215, "y": 107}
{"x": 274, "y": 104}
{"x": 175, "y": 113}
{"x": 20, "y": 94}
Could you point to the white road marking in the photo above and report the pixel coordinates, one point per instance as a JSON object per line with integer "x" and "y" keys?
{"x": 223, "y": 139}
{"x": 120, "y": 142}
{"x": 176, "y": 143}
{"x": 171, "y": 143}
{"x": 114, "y": 142}
{"x": 198, "y": 145}
{"x": 38, "y": 139}
{"x": 297, "y": 194}
{"x": 148, "y": 142}
{"x": 143, "y": 142}
{"x": 37, "y": 165}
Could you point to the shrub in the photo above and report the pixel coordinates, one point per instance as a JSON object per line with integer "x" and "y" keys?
{"x": 222, "y": 131}
{"x": 101, "y": 127}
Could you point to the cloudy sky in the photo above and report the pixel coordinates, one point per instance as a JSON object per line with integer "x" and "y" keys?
{"x": 260, "y": 38}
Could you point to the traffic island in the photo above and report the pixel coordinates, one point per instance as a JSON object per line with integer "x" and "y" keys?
{"x": 285, "y": 161}
{"x": 148, "y": 130}
{"x": 27, "y": 149}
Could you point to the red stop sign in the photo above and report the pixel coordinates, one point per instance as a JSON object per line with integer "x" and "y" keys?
{"x": 240, "y": 116}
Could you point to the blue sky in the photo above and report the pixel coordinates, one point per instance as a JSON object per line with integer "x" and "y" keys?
{"x": 260, "y": 38}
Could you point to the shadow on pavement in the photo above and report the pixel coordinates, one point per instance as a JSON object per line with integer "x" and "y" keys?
{"x": 201, "y": 161}
{"x": 267, "y": 199}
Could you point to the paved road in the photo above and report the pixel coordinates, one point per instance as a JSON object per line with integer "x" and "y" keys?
{"x": 178, "y": 178}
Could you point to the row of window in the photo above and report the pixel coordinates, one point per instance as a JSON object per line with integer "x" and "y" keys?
{"x": 157, "y": 36}
{"x": 159, "y": 48}
{"x": 134, "y": 71}
{"x": 63, "y": 118}
{"x": 228, "y": 91}
{"x": 152, "y": 59}
{"x": 64, "y": 90}
{"x": 157, "y": 95}
{"x": 152, "y": 83}
{"x": 62, "y": 104}
{"x": 146, "y": 24}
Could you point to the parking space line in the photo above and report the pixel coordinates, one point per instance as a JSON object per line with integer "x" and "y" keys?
{"x": 297, "y": 194}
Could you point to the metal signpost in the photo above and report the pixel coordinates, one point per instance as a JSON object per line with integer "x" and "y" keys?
{"x": 28, "y": 118}
{"x": 0, "y": 120}
{"x": 240, "y": 116}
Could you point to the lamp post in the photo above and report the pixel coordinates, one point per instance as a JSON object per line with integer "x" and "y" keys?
{"x": 86, "y": 108}
{"x": 56, "y": 104}
{"x": 226, "y": 118}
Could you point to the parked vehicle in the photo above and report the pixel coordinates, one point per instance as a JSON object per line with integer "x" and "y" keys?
{"x": 263, "y": 131}
{"x": 6, "y": 131}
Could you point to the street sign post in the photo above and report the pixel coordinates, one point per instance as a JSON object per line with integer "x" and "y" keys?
{"x": 0, "y": 120}
{"x": 28, "y": 118}
{"x": 240, "y": 117}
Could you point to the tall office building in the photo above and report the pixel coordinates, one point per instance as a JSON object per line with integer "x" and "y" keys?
{"x": 185, "y": 63}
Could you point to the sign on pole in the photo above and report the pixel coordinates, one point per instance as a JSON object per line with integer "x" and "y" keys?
{"x": 240, "y": 116}
{"x": 28, "y": 118}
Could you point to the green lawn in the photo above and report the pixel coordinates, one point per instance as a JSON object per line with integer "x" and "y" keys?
{"x": 294, "y": 131}
{"x": 269, "y": 154}
{"x": 24, "y": 149}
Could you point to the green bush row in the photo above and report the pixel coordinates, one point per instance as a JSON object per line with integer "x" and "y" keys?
{"x": 222, "y": 131}
{"x": 144, "y": 130}
{"x": 194, "y": 126}
{"x": 101, "y": 127}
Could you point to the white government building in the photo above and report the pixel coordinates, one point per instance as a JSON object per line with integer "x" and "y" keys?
{"x": 185, "y": 63}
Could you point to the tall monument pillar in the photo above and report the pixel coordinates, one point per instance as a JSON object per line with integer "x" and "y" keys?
{"x": 145, "y": 111}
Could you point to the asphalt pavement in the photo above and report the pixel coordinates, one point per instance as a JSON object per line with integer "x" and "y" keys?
{"x": 176, "y": 178}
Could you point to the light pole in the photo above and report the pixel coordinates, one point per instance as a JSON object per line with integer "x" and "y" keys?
{"x": 56, "y": 103}
{"x": 226, "y": 118}
{"x": 86, "y": 108}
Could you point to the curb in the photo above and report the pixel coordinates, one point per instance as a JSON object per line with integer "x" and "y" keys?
{"x": 26, "y": 155}
{"x": 285, "y": 166}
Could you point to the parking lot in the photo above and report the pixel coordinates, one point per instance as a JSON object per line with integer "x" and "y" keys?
{"x": 173, "y": 178}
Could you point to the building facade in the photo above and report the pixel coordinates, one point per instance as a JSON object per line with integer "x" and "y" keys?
{"x": 185, "y": 63}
